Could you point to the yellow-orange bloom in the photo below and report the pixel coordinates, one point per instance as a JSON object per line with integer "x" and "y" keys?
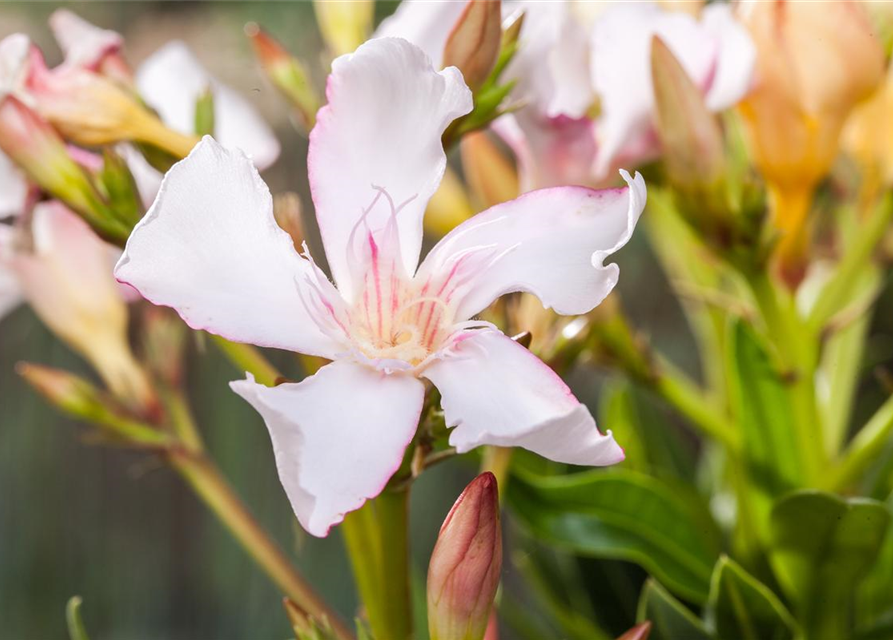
{"x": 816, "y": 61}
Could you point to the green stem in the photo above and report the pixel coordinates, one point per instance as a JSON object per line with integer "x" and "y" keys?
{"x": 247, "y": 358}
{"x": 793, "y": 343}
{"x": 498, "y": 460}
{"x": 377, "y": 540}
{"x": 689, "y": 400}
{"x": 182, "y": 420}
{"x": 866, "y": 447}
{"x": 838, "y": 290}
{"x": 205, "y": 479}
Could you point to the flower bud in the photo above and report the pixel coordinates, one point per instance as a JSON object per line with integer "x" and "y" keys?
{"x": 490, "y": 175}
{"x": 65, "y": 391}
{"x": 91, "y": 110}
{"x": 689, "y": 133}
{"x": 287, "y": 74}
{"x": 66, "y": 276}
{"x": 693, "y": 148}
{"x": 815, "y": 62}
{"x": 344, "y": 24}
{"x": 465, "y": 566}
{"x": 32, "y": 144}
{"x": 474, "y": 43}
{"x": 638, "y": 632}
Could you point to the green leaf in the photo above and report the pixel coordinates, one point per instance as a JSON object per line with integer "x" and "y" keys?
{"x": 76, "y": 629}
{"x": 821, "y": 547}
{"x": 624, "y": 515}
{"x": 874, "y": 599}
{"x": 669, "y": 618}
{"x": 651, "y": 443}
{"x": 760, "y": 401}
{"x": 740, "y": 606}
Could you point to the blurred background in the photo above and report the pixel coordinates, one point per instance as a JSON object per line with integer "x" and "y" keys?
{"x": 127, "y": 536}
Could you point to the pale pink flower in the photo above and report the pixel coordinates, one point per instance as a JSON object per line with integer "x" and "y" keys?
{"x": 576, "y": 59}
{"x": 210, "y": 248}
{"x": 64, "y": 271}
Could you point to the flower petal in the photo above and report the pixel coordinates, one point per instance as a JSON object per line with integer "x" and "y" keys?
{"x": 171, "y": 80}
{"x": 387, "y": 111}
{"x": 551, "y": 243}
{"x": 621, "y": 68}
{"x": 737, "y": 57}
{"x": 210, "y": 248}
{"x": 551, "y": 152}
{"x": 494, "y": 391}
{"x": 84, "y": 44}
{"x": 338, "y": 436}
{"x": 13, "y": 188}
{"x": 14, "y": 63}
{"x": 424, "y": 23}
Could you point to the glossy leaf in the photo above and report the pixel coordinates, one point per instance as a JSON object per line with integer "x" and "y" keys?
{"x": 624, "y": 515}
{"x": 670, "y": 619}
{"x": 740, "y": 606}
{"x": 821, "y": 548}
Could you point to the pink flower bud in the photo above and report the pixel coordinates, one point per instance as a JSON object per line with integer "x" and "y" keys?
{"x": 473, "y": 45}
{"x": 465, "y": 566}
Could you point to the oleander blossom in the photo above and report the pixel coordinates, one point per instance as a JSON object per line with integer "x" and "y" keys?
{"x": 583, "y": 77}
{"x": 210, "y": 248}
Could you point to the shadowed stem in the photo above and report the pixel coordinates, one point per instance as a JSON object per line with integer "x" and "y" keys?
{"x": 203, "y": 476}
{"x": 213, "y": 489}
{"x": 377, "y": 540}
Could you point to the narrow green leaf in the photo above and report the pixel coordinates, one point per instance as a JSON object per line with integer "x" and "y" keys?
{"x": 624, "y": 515}
{"x": 761, "y": 403}
{"x": 821, "y": 548}
{"x": 742, "y": 607}
{"x": 669, "y": 618}
{"x": 76, "y": 629}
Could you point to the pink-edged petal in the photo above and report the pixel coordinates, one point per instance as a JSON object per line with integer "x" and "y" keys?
{"x": 210, "y": 248}
{"x": 338, "y": 436}
{"x": 551, "y": 243}
{"x": 551, "y": 152}
{"x": 84, "y": 44}
{"x": 13, "y": 188}
{"x": 14, "y": 63}
{"x": 494, "y": 391}
{"x": 621, "y": 69}
{"x": 737, "y": 57}
{"x": 10, "y": 291}
{"x": 382, "y": 128}
{"x": 171, "y": 80}
{"x": 66, "y": 276}
{"x": 424, "y": 23}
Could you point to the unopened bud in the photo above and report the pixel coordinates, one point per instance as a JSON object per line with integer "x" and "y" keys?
{"x": 490, "y": 175}
{"x": 466, "y": 563}
{"x": 32, "y": 144}
{"x": 287, "y": 212}
{"x": 287, "y": 74}
{"x": 91, "y": 110}
{"x": 120, "y": 188}
{"x": 474, "y": 43}
{"x": 344, "y": 24}
{"x": 66, "y": 276}
{"x": 688, "y": 131}
{"x": 638, "y": 632}
{"x": 67, "y": 392}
